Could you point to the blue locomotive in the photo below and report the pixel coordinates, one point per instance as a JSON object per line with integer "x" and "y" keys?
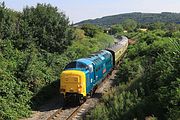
{"x": 81, "y": 77}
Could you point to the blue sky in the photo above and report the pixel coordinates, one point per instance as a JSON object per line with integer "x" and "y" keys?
{"x": 78, "y": 10}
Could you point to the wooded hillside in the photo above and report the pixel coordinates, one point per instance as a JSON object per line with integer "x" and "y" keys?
{"x": 137, "y": 16}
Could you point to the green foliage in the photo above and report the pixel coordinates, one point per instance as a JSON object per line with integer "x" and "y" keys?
{"x": 172, "y": 27}
{"x": 15, "y": 94}
{"x": 176, "y": 34}
{"x": 83, "y": 47}
{"x": 142, "y": 18}
{"x": 116, "y": 29}
{"x": 156, "y": 26}
{"x": 45, "y": 26}
{"x": 35, "y": 46}
{"x": 8, "y": 19}
{"x": 147, "y": 82}
{"x": 79, "y": 34}
{"x": 129, "y": 24}
{"x": 91, "y": 30}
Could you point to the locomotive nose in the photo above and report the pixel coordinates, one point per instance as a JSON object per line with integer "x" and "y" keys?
{"x": 72, "y": 81}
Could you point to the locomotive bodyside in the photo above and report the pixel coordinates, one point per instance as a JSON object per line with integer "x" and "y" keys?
{"x": 81, "y": 76}
{"x": 102, "y": 63}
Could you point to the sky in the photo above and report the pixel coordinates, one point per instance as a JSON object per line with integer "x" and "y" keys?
{"x": 78, "y": 10}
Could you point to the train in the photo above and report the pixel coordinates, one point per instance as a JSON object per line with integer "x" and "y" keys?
{"x": 81, "y": 77}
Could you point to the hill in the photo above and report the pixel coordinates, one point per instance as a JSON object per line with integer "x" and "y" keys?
{"x": 139, "y": 17}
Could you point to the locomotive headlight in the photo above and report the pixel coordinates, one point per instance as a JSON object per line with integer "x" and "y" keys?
{"x": 79, "y": 89}
{"x": 79, "y": 86}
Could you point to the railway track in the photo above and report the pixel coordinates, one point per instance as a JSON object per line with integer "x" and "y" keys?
{"x": 55, "y": 114}
{"x": 74, "y": 113}
{"x": 69, "y": 113}
{"x": 64, "y": 114}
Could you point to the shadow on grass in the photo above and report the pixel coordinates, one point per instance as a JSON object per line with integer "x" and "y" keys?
{"x": 48, "y": 98}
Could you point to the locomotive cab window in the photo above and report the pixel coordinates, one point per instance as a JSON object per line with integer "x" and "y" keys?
{"x": 71, "y": 65}
{"x": 81, "y": 65}
{"x": 76, "y": 65}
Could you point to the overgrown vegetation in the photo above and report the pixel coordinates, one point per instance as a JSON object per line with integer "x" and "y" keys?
{"x": 148, "y": 81}
{"x": 35, "y": 46}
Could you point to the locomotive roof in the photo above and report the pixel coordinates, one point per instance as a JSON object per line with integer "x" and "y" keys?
{"x": 85, "y": 61}
{"x": 95, "y": 58}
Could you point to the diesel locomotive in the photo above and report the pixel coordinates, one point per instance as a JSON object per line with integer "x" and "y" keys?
{"x": 82, "y": 76}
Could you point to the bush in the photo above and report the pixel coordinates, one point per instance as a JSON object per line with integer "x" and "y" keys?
{"x": 147, "y": 82}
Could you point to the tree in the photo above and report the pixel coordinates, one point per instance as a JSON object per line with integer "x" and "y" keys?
{"x": 79, "y": 34}
{"x": 47, "y": 27}
{"x": 156, "y": 26}
{"x": 8, "y": 19}
{"x": 171, "y": 27}
{"x": 116, "y": 29}
{"x": 129, "y": 24}
{"x": 90, "y": 29}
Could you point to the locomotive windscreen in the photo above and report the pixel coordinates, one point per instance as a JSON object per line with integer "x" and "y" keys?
{"x": 76, "y": 64}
